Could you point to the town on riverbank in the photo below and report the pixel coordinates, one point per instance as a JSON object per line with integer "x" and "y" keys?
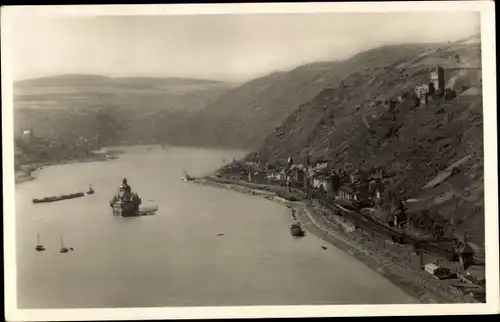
{"x": 360, "y": 160}
{"x": 419, "y": 196}
{"x": 427, "y": 258}
{"x": 33, "y": 153}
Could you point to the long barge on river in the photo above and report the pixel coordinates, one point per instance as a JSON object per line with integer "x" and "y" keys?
{"x": 59, "y": 198}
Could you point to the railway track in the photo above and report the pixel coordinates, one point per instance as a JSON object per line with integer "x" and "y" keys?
{"x": 364, "y": 221}
{"x": 368, "y": 224}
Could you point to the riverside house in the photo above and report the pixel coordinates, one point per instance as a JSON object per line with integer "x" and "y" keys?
{"x": 359, "y": 176}
{"x": 319, "y": 181}
{"x": 273, "y": 173}
{"x": 353, "y": 191}
{"x": 465, "y": 255}
{"x": 375, "y": 190}
{"x": 328, "y": 182}
{"x": 321, "y": 164}
{"x": 400, "y": 219}
{"x": 297, "y": 175}
{"x": 347, "y": 192}
{"x": 318, "y": 176}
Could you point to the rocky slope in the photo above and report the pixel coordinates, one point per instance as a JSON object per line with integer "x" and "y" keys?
{"x": 244, "y": 116}
{"x": 351, "y": 125}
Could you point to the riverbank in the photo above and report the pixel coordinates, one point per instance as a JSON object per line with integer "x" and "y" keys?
{"x": 394, "y": 262}
{"x": 25, "y": 174}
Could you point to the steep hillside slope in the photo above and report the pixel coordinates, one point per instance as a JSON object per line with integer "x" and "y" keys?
{"x": 244, "y": 116}
{"x": 352, "y": 126}
{"x": 115, "y": 109}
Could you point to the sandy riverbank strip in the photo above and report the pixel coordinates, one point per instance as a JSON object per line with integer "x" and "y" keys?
{"x": 379, "y": 255}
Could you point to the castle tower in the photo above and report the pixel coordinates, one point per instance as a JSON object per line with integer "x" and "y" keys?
{"x": 437, "y": 78}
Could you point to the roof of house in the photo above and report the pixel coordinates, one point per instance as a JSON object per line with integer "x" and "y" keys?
{"x": 324, "y": 171}
{"x": 297, "y": 167}
{"x": 376, "y": 185}
{"x": 321, "y": 160}
{"x": 345, "y": 180}
{"x": 431, "y": 266}
{"x": 350, "y": 188}
{"x": 465, "y": 248}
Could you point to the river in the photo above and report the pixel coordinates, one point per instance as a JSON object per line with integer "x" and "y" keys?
{"x": 175, "y": 257}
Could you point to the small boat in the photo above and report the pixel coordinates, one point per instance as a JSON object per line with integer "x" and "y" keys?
{"x": 91, "y": 191}
{"x": 59, "y": 198}
{"x": 296, "y": 230}
{"x": 186, "y": 177}
{"x": 63, "y": 248}
{"x": 39, "y": 247}
{"x": 148, "y": 211}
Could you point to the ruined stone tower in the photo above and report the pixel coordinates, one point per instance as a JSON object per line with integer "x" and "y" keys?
{"x": 437, "y": 78}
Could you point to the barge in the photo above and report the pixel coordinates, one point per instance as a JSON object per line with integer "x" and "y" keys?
{"x": 59, "y": 198}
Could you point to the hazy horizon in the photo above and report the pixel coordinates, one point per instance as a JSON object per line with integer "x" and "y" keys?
{"x": 231, "y": 48}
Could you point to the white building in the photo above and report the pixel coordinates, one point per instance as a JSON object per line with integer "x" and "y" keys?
{"x": 321, "y": 164}
{"x": 27, "y": 135}
{"x": 275, "y": 175}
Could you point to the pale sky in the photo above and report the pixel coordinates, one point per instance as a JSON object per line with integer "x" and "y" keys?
{"x": 228, "y": 47}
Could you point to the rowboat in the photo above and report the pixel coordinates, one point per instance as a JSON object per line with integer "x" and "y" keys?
{"x": 296, "y": 230}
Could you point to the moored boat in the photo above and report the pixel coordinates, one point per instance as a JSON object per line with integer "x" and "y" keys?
{"x": 90, "y": 191}
{"x": 59, "y": 198}
{"x": 64, "y": 249}
{"x": 296, "y": 230}
{"x": 39, "y": 247}
{"x": 148, "y": 211}
{"x": 186, "y": 177}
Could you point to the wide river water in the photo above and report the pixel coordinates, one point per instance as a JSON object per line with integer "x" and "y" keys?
{"x": 175, "y": 257}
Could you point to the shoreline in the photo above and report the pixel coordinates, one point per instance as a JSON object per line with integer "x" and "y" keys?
{"x": 27, "y": 170}
{"x": 358, "y": 244}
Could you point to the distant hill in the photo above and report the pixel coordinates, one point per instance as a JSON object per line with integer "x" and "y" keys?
{"x": 82, "y": 80}
{"x": 244, "y": 116}
{"x": 141, "y": 108}
{"x": 351, "y": 125}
